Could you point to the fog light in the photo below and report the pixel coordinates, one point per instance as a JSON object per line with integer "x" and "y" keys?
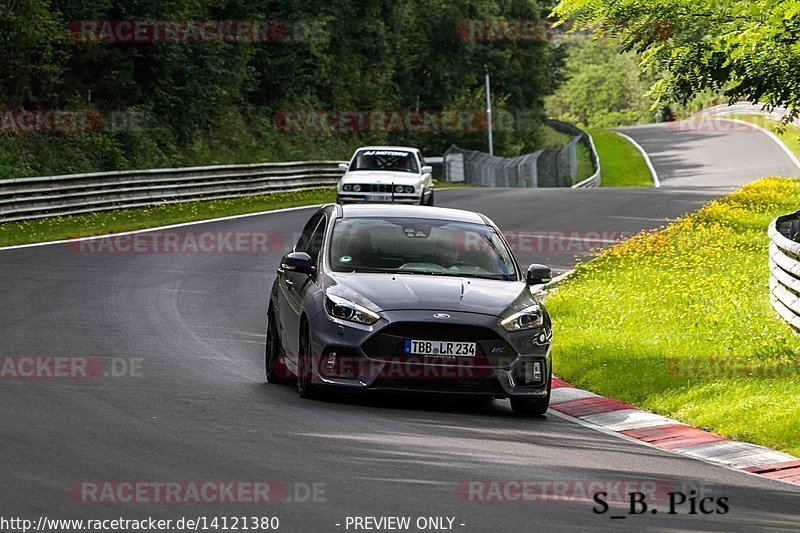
{"x": 330, "y": 365}
{"x": 528, "y": 373}
{"x": 341, "y": 362}
{"x": 533, "y": 372}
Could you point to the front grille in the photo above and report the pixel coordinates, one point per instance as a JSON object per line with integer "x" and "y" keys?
{"x": 374, "y": 187}
{"x": 492, "y": 350}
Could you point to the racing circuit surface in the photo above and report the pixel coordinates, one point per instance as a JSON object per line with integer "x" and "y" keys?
{"x": 200, "y": 409}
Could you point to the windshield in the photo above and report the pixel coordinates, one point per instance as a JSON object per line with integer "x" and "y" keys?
{"x": 419, "y": 246}
{"x": 386, "y": 160}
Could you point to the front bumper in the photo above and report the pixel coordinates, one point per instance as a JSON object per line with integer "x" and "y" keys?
{"x": 376, "y": 198}
{"x": 355, "y": 357}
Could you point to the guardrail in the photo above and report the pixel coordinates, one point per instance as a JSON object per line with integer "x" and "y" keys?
{"x": 742, "y": 108}
{"x": 594, "y": 179}
{"x": 784, "y": 266}
{"x": 586, "y": 139}
{"x": 41, "y": 197}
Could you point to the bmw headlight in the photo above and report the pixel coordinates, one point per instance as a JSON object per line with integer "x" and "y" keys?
{"x": 356, "y": 187}
{"x": 342, "y": 309}
{"x": 398, "y": 188}
{"x": 347, "y": 187}
{"x": 409, "y": 189}
{"x": 529, "y": 318}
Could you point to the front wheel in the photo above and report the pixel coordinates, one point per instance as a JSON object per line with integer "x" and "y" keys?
{"x": 530, "y": 406}
{"x": 430, "y": 200}
{"x": 274, "y": 370}
{"x": 305, "y": 388}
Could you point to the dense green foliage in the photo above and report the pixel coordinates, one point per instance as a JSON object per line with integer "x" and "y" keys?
{"x": 602, "y": 87}
{"x": 188, "y": 103}
{"x": 742, "y": 48}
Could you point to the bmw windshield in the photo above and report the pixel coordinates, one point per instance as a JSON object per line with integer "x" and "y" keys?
{"x": 419, "y": 246}
{"x": 385, "y": 160}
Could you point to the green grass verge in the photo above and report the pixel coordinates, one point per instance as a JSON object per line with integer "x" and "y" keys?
{"x": 100, "y": 223}
{"x": 679, "y": 322}
{"x": 448, "y": 185}
{"x": 790, "y": 136}
{"x": 621, "y": 163}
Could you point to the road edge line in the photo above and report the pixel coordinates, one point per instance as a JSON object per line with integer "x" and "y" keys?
{"x": 653, "y": 173}
{"x": 771, "y": 135}
{"x": 157, "y": 228}
{"x": 173, "y": 226}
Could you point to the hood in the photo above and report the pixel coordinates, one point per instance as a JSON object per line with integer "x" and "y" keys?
{"x": 393, "y": 292}
{"x": 381, "y": 177}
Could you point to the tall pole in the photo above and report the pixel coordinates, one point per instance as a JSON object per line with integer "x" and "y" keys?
{"x": 489, "y": 111}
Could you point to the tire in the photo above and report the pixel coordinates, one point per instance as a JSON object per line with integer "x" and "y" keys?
{"x": 274, "y": 370}
{"x": 430, "y": 200}
{"x": 305, "y": 388}
{"x": 530, "y": 406}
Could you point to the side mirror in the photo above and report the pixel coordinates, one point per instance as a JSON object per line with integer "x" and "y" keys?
{"x": 427, "y": 169}
{"x": 343, "y": 167}
{"x": 298, "y": 262}
{"x": 538, "y": 275}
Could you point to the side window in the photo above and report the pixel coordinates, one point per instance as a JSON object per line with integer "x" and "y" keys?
{"x": 315, "y": 243}
{"x": 305, "y": 236}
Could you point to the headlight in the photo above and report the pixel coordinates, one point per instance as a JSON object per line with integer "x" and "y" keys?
{"x": 342, "y": 309}
{"x": 347, "y": 187}
{"x": 398, "y": 188}
{"x": 409, "y": 189}
{"x": 529, "y": 318}
{"x": 356, "y": 187}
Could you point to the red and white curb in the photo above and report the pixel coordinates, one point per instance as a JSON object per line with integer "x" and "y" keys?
{"x": 626, "y": 420}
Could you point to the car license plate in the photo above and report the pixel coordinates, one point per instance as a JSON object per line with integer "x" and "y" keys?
{"x": 378, "y": 198}
{"x": 440, "y": 348}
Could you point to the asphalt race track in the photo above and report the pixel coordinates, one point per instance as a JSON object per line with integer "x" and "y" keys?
{"x": 199, "y": 409}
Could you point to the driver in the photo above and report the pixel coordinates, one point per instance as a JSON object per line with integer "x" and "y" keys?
{"x": 446, "y": 255}
{"x": 356, "y": 248}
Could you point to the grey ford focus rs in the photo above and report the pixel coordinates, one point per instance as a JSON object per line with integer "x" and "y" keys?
{"x": 409, "y": 299}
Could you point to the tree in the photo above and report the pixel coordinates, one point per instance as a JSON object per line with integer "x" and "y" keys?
{"x": 744, "y": 49}
{"x": 602, "y": 87}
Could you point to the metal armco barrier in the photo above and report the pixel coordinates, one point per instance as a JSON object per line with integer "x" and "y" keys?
{"x": 742, "y": 108}
{"x": 784, "y": 266}
{"x": 41, "y": 197}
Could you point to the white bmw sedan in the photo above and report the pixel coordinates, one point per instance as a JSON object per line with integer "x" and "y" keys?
{"x": 386, "y": 174}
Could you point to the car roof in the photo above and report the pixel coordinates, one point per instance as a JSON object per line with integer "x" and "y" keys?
{"x": 412, "y": 211}
{"x": 403, "y": 148}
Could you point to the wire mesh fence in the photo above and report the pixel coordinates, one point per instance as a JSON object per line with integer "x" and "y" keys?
{"x": 551, "y": 167}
